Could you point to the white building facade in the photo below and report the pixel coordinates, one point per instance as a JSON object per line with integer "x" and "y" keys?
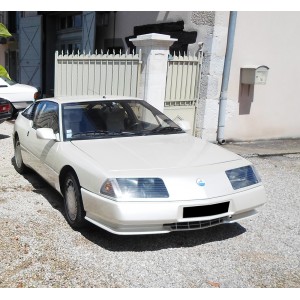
{"x": 253, "y": 111}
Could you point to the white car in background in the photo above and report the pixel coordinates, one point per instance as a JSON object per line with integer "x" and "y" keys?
{"x": 19, "y": 95}
{"x": 124, "y": 166}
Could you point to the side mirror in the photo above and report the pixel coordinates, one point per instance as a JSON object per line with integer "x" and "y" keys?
{"x": 45, "y": 134}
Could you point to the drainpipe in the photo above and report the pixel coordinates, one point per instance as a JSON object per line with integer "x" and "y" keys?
{"x": 225, "y": 80}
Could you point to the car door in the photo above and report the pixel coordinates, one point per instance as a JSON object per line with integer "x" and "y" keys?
{"x": 43, "y": 151}
{"x": 23, "y": 125}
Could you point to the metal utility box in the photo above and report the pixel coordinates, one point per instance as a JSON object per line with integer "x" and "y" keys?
{"x": 254, "y": 75}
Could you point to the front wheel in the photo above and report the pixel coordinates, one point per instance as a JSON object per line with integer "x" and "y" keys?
{"x": 73, "y": 202}
{"x": 19, "y": 165}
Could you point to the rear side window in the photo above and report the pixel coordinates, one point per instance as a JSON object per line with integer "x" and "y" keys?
{"x": 28, "y": 112}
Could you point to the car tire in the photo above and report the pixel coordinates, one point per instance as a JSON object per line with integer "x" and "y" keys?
{"x": 73, "y": 202}
{"x": 18, "y": 160}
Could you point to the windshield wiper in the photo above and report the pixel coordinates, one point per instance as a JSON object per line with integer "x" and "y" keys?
{"x": 169, "y": 129}
{"x": 88, "y": 134}
{"x": 121, "y": 133}
{"x": 99, "y": 133}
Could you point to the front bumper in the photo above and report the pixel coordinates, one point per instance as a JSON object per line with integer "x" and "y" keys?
{"x": 151, "y": 217}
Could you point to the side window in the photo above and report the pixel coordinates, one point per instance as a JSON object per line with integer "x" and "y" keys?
{"x": 46, "y": 116}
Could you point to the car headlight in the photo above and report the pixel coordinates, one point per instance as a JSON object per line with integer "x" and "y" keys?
{"x": 134, "y": 188}
{"x": 242, "y": 177}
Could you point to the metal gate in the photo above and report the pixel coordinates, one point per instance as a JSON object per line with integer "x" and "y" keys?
{"x": 97, "y": 74}
{"x": 183, "y": 86}
{"x": 118, "y": 74}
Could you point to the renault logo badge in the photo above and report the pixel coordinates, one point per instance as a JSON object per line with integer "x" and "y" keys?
{"x": 200, "y": 182}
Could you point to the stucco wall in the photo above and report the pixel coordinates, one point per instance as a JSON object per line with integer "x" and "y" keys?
{"x": 271, "y": 110}
{"x": 214, "y": 37}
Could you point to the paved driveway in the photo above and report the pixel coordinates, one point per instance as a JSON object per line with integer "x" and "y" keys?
{"x": 39, "y": 249}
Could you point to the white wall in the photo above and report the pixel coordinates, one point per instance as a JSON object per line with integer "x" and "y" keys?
{"x": 272, "y": 111}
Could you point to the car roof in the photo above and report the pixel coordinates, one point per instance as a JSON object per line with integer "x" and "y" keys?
{"x": 72, "y": 99}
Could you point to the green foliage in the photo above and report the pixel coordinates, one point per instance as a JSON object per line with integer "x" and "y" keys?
{"x": 3, "y": 31}
{"x": 3, "y": 72}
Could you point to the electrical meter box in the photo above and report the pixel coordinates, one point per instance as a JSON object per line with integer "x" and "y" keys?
{"x": 254, "y": 75}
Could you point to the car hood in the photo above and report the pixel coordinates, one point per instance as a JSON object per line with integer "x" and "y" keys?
{"x": 153, "y": 152}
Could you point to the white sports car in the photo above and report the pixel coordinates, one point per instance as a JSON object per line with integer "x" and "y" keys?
{"x": 127, "y": 168}
{"x": 19, "y": 95}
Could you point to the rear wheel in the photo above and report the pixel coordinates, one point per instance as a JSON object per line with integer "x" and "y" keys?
{"x": 19, "y": 165}
{"x": 73, "y": 202}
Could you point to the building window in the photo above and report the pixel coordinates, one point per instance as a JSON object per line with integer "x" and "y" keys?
{"x": 77, "y": 20}
{"x": 70, "y": 47}
{"x": 73, "y": 21}
{"x": 69, "y": 33}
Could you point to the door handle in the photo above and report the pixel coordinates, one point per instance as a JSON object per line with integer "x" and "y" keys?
{"x": 28, "y": 133}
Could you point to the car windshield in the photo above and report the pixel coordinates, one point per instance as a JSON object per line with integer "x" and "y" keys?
{"x": 7, "y": 80}
{"x": 109, "y": 119}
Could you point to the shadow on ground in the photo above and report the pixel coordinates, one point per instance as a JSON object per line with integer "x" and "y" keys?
{"x": 40, "y": 186}
{"x": 156, "y": 242}
{"x": 4, "y": 136}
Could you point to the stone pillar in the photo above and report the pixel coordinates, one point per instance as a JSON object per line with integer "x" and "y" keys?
{"x": 155, "y": 51}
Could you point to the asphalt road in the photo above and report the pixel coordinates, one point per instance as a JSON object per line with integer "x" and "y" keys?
{"x": 39, "y": 249}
